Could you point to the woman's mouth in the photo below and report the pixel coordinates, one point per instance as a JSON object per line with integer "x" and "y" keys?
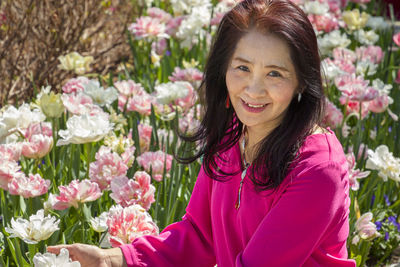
{"x": 253, "y": 107}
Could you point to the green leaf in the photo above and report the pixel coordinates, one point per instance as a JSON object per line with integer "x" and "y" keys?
{"x": 86, "y": 212}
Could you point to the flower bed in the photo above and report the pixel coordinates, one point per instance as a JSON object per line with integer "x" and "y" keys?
{"x": 95, "y": 163}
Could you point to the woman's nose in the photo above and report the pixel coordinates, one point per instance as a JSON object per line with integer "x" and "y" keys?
{"x": 256, "y": 87}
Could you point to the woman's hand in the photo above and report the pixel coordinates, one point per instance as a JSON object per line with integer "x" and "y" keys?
{"x": 92, "y": 256}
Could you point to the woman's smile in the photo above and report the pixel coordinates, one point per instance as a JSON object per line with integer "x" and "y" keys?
{"x": 256, "y": 108}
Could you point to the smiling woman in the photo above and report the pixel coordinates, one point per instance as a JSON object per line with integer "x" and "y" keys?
{"x": 263, "y": 105}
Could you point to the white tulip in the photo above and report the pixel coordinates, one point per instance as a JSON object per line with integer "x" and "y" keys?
{"x": 99, "y": 95}
{"x": 52, "y": 260}
{"x": 167, "y": 93}
{"x": 384, "y": 161}
{"x": 99, "y": 224}
{"x": 36, "y": 229}
{"x": 85, "y": 128}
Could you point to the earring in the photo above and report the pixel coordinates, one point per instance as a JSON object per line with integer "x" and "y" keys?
{"x": 299, "y": 97}
{"x": 227, "y": 103}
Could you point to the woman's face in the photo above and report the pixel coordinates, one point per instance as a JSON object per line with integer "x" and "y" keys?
{"x": 261, "y": 81}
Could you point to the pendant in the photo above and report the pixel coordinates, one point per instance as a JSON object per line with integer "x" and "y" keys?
{"x": 237, "y": 205}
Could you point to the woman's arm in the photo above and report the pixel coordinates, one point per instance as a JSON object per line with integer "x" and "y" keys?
{"x": 185, "y": 243}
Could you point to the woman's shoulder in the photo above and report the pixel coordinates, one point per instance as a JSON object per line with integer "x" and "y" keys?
{"x": 322, "y": 146}
{"x": 321, "y": 165}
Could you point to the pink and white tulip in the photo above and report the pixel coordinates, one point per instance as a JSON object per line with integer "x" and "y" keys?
{"x": 354, "y": 174}
{"x": 138, "y": 190}
{"x": 155, "y": 162}
{"x": 365, "y": 228}
{"x": 125, "y": 224}
{"x": 148, "y": 28}
{"x": 28, "y": 186}
{"x": 333, "y": 116}
{"x": 75, "y": 85}
{"x": 75, "y": 193}
{"x": 8, "y": 171}
{"x": 77, "y": 104}
{"x": 10, "y": 152}
{"x": 141, "y": 103}
{"x": 355, "y": 88}
{"x": 108, "y": 165}
{"x": 144, "y": 131}
{"x": 191, "y": 75}
{"x": 37, "y": 147}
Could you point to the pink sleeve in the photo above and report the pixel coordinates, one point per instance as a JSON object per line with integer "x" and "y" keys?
{"x": 185, "y": 243}
{"x": 313, "y": 204}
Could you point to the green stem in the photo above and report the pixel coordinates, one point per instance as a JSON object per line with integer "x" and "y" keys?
{"x": 88, "y": 148}
{"x": 32, "y": 252}
{"x": 4, "y": 208}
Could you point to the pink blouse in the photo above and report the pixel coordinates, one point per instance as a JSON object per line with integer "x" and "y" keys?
{"x": 302, "y": 223}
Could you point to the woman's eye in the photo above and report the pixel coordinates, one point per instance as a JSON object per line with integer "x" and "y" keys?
{"x": 243, "y": 68}
{"x": 274, "y": 74}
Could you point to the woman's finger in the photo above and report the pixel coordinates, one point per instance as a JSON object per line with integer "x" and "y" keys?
{"x": 56, "y": 249}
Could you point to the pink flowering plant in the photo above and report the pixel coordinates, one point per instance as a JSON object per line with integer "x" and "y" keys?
{"x": 98, "y": 155}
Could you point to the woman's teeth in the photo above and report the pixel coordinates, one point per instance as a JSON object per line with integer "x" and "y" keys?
{"x": 256, "y": 106}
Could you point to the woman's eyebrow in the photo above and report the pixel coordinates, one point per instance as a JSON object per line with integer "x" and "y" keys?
{"x": 270, "y": 66}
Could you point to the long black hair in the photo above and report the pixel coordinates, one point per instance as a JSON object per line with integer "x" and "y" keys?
{"x": 220, "y": 129}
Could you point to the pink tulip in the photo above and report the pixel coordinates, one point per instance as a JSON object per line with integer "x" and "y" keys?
{"x": 75, "y": 85}
{"x": 354, "y": 174}
{"x": 191, "y": 75}
{"x": 159, "y": 14}
{"x": 37, "y": 147}
{"x": 155, "y": 161}
{"x": 173, "y": 25}
{"x": 354, "y": 106}
{"x": 129, "y": 88}
{"x": 148, "y": 27}
{"x": 144, "y": 131}
{"x": 380, "y": 104}
{"x": 78, "y": 103}
{"x": 355, "y": 88}
{"x": 42, "y": 128}
{"x": 365, "y": 228}
{"x": 325, "y": 23}
{"x": 345, "y": 65}
{"x": 344, "y": 54}
{"x": 125, "y": 224}
{"x": 141, "y": 103}
{"x": 31, "y": 186}
{"x": 76, "y": 192}
{"x": 333, "y": 116}
{"x": 8, "y": 170}
{"x": 188, "y": 123}
{"x": 370, "y": 53}
{"x": 10, "y": 152}
{"x": 160, "y": 46}
{"x": 128, "y": 156}
{"x": 107, "y": 166}
{"x": 128, "y": 192}
{"x": 189, "y": 100}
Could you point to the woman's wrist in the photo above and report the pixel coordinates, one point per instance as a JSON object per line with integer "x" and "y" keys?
{"x": 114, "y": 257}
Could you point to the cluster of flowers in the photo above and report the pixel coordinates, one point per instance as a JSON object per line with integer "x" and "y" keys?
{"x": 85, "y": 102}
{"x": 350, "y": 71}
{"x": 95, "y": 114}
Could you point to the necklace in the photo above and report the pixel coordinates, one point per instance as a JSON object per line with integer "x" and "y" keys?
{"x": 245, "y": 165}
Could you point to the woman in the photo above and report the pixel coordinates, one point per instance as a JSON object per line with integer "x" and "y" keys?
{"x": 273, "y": 187}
